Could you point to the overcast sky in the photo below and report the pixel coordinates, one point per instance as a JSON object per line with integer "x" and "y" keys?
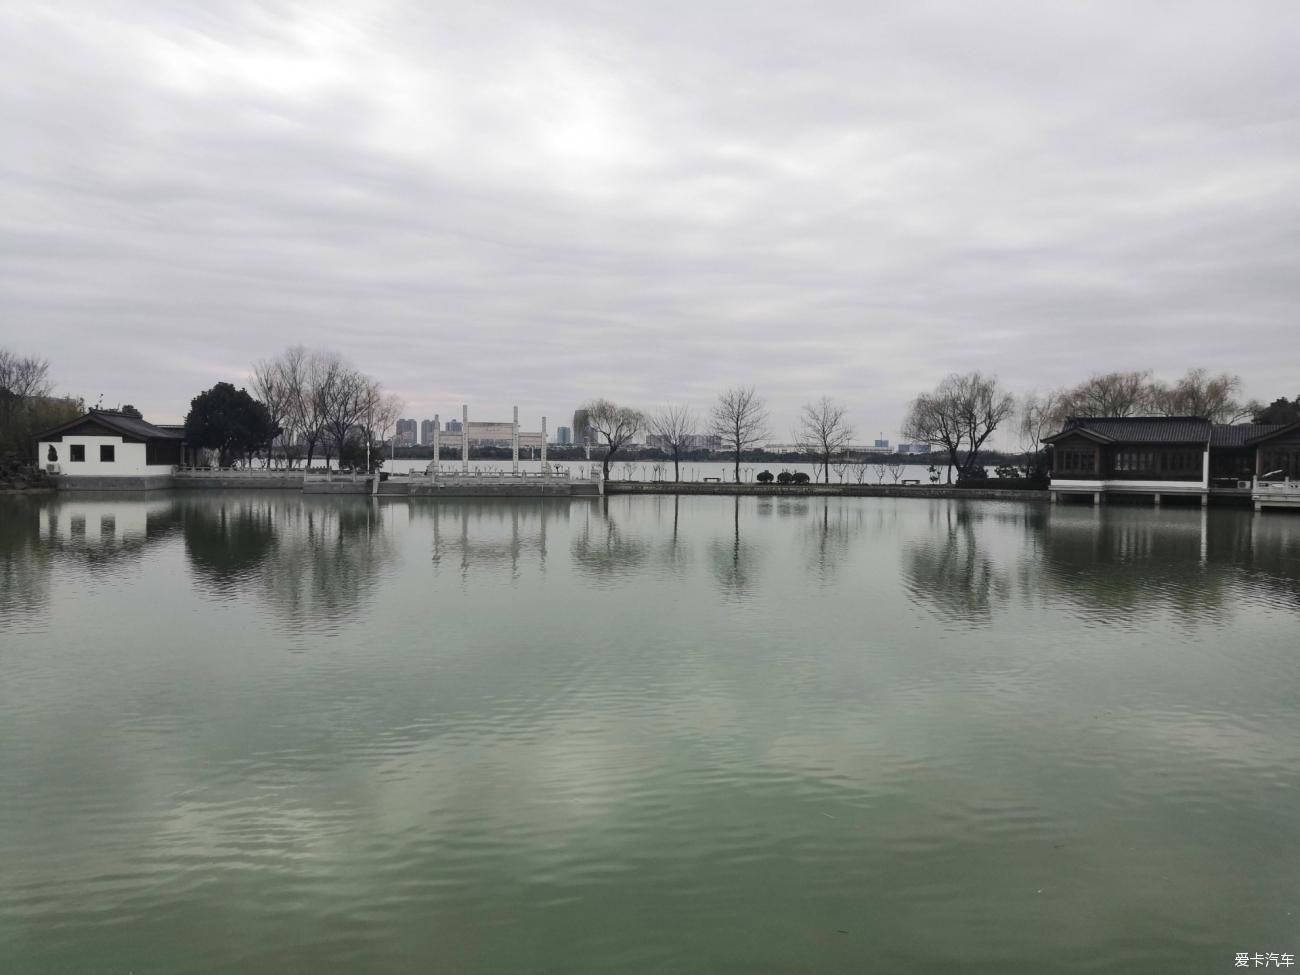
{"x": 537, "y": 202}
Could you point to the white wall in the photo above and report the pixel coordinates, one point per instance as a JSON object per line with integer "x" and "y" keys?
{"x": 1140, "y": 487}
{"x": 128, "y": 458}
{"x": 100, "y": 522}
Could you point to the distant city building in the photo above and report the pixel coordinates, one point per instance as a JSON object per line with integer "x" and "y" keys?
{"x": 564, "y": 436}
{"x": 405, "y": 433}
{"x": 913, "y": 448}
{"x": 583, "y": 432}
{"x": 453, "y": 426}
{"x": 882, "y": 444}
{"x": 426, "y": 432}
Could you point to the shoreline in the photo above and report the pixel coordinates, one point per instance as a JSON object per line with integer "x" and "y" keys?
{"x": 828, "y": 490}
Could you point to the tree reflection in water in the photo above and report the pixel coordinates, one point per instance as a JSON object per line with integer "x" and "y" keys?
{"x": 831, "y": 535}
{"x": 24, "y": 564}
{"x": 1201, "y": 566}
{"x": 951, "y": 572}
{"x": 602, "y": 550}
{"x": 734, "y": 560}
{"x": 1117, "y": 566}
{"x": 313, "y": 561}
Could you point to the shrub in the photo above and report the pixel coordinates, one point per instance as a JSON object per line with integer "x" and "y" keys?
{"x": 785, "y": 477}
{"x": 800, "y": 477}
{"x": 765, "y": 477}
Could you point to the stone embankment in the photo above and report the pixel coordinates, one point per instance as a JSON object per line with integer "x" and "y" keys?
{"x": 241, "y": 480}
{"x": 826, "y": 490}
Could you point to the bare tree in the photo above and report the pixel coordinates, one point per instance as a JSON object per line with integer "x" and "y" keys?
{"x": 292, "y": 373}
{"x": 26, "y": 404}
{"x": 1200, "y": 394}
{"x": 897, "y": 468}
{"x": 1039, "y": 417}
{"x": 676, "y": 427}
{"x": 931, "y": 419}
{"x": 346, "y": 397}
{"x": 308, "y": 393}
{"x": 271, "y": 386}
{"x": 617, "y": 424}
{"x": 381, "y": 413}
{"x": 384, "y": 416}
{"x": 1106, "y": 394}
{"x": 23, "y": 378}
{"x": 320, "y": 375}
{"x": 824, "y": 432}
{"x": 740, "y": 420}
{"x": 962, "y": 411}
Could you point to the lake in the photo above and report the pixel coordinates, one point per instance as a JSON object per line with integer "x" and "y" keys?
{"x": 263, "y": 733}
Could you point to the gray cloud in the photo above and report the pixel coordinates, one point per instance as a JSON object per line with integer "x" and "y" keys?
{"x": 514, "y": 202}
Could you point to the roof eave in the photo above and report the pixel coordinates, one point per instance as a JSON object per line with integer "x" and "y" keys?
{"x": 1289, "y": 428}
{"x": 1078, "y": 431}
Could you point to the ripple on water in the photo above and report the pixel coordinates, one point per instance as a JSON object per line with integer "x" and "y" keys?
{"x": 915, "y": 737}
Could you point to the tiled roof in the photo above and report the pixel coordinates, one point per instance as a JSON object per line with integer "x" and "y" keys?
{"x": 1236, "y": 434}
{"x": 135, "y": 426}
{"x": 1168, "y": 430}
{"x": 1142, "y": 429}
{"x": 128, "y": 426}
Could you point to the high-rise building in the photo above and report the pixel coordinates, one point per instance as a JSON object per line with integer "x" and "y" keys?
{"x": 564, "y": 436}
{"x": 882, "y": 444}
{"x": 405, "y": 433}
{"x": 583, "y": 431}
{"x": 426, "y": 432}
{"x": 453, "y": 426}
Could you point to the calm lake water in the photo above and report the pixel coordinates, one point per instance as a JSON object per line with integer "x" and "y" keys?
{"x": 256, "y": 733}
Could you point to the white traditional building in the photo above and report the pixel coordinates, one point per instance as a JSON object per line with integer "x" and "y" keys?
{"x": 108, "y": 449}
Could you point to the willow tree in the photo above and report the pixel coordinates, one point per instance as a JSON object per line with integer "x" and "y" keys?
{"x": 617, "y": 424}
{"x": 962, "y": 412}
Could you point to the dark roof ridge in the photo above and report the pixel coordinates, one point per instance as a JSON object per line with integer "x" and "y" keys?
{"x": 1145, "y": 417}
{"x": 121, "y": 422}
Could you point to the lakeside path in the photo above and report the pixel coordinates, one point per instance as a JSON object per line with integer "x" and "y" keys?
{"x": 826, "y": 490}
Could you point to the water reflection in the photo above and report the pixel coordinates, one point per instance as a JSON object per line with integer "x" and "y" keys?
{"x": 488, "y": 531}
{"x": 831, "y": 537}
{"x": 24, "y": 563}
{"x": 94, "y": 533}
{"x": 603, "y": 549}
{"x": 314, "y": 562}
{"x": 952, "y": 572}
{"x": 227, "y": 541}
{"x": 547, "y": 756}
{"x": 99, "y": 531}
{"x": 1115, "y": 565}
